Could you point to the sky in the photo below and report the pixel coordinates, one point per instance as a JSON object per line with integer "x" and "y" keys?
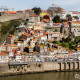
{"x": 68, "y": 5}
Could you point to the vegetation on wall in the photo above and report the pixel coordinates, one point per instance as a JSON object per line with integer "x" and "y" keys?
{"x": 8, "y": 27}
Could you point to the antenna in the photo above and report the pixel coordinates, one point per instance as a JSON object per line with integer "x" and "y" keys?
{"x": 55, "y": 5}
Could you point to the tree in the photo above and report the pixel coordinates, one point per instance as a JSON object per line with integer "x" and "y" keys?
{"x": 25, "y": 23}
{"x": 41, "y": 18}
{"x": 56, "y": 19}
{"x": 76, "y": 17}
{"x": 63, "y": 39}
{"x": 77, "y": 39}
{"x": 37, "y": 10}
{"x": 51, "y": 11}
{"x": 54, "y": 42}
{"x": 0, "y": 14}
{"x": 68, "y": 39}
{"x": 55, "y": 10}
{"x": 55, "y": 30}
{"x": 59, "y": 10}
{"x": 68, "y": 16}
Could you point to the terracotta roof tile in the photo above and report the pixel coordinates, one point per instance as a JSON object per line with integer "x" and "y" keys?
{"x": 1, "y": 53}
{"x": 10, "y": 12}
{"x": 46, "y": 33}
{"x": 33, "y": 15}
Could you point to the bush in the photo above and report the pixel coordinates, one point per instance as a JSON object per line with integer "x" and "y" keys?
{"x": 57, "y": 19}
{"x": 39, "y": 65}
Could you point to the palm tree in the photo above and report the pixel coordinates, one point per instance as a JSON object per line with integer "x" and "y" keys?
{"x": 68, "y": 16}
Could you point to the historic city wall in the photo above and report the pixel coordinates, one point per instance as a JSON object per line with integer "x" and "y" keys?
{"x": 40, "y": 67}
{"x": 5, "y": 18}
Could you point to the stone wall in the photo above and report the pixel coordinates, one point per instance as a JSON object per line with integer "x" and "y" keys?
{"x": 5, "y": 18}
{"x": 40, "y": 67}
{"x": 4, "y": 68}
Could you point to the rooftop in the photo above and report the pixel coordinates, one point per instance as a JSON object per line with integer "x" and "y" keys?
{"x": 33, "y": 15}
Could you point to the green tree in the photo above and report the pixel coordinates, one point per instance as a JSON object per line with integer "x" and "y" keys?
{"x": 77, "y": 39}
{"x": 37, "y": 10}
{"x": 56, "y": 19}
{"x": 25, "y": 23}
{"x": 76, "y": 17}
{"x": 68, "y": 16}
{"x": 63, "y": 39}
{"x": 55, "y": 30}
{"x": 41, "y": 18}
{"x": 68, "y": 39}
{"x": 54, "y": 42}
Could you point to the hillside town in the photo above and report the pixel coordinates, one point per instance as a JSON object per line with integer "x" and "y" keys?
{"x": 42, "y": 37}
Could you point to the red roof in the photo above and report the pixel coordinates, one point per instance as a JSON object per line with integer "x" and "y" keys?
{"x": 1, "y": 11}
{"x": 75, "y": 13}
{"x": 10, "y": 12}
{"x": 41, "y": 35}
{"x": 26, "y": 34}
{"x": 19, "y": 11}
{"x": 28, "y": 10}
{"x": 45, "y": 11}
{"x": 1, "y": 53}
{"x": 46, "y": 33}
{"x": 33, "y": 15}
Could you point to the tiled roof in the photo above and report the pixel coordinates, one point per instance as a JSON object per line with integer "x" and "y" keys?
{"x": 36, "y": 37}
{"x": 22, "y": 39}
{"x": 11, "y": 44}
{"x": 18, "y": 41}
{"x": 75, "y": 22}
{"x": 36, "y": 25}
{"x": 17, "y": 54}
{"x": 45, "y": 11}
{"x": 75, "y": 13}
{"x": 49, "y": 40}
{"x": 6, "y": 51}
{"x": 23, "y": 32}
{"x": 78, "y": 48}
{"x": 46, "y": 33}
{"x": 20, "y": 11}
{"x": 27, "y": 35}
{"x": 41, "y": 35}
{"x": 9, "y": 37}
{"x": 38, "y": 30}
{"x": 10, "y": 12}
{"x": 1, "y": 53}
{"x": 1, "y": 11}
{"x": 28, "y": 10}
{"x": 33, "y": 15}
{"x": 41, "y": 45}
{"x": 49, "y": 49}
{"x": 35, "y": 52}
{"x": 12, "y": 35}
{"x": 24, "y": 53}
{"x": 64, "y": 48}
